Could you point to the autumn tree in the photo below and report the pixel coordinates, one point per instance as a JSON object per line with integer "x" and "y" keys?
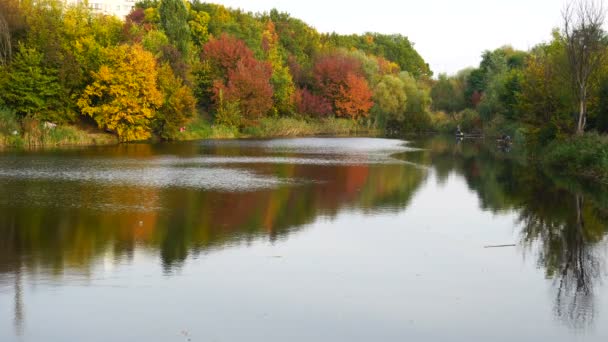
{"x": 224, "y": 53}
{"x": 586, "y": 46}
{"x": 230, "y": 67}
{"x": 281, "y": 79}
{"x": 199, "y": 26}
{"x": 355, "y": 98}
{"x": 249, "y": 85}
{"x": 309, "y": 103}
{"x": 218, "y": 57}
{"x": 178, "y": 106}
{"x": 123, "y": 96}
{"x": 340, "y": 79}
{"x": 390, "y": 99}
{"x": 545, "y": 100}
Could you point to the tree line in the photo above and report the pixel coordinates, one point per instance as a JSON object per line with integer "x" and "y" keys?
{"x": 172, "y": 62}
{"x": 555, "y": 90}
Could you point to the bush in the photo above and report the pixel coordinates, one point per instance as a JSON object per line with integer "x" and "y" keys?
{"x": 9, "y": 129}
{"x": 8, "y": 122}
{"x": 585, "y": 156}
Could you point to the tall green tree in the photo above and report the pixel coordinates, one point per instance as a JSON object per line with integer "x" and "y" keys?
{"x": 174, "y": 20}
{"x": 30, "y": 88}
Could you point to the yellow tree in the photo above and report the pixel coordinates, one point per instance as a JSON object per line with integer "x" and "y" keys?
{"x": 281, "y": 79}
{"x": 179, "y": 104}
{"x": 123, "y": 96}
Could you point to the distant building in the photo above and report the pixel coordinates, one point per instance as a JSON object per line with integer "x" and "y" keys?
{"x": 119, "y": 8}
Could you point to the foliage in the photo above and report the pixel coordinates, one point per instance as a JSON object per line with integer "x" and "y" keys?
{"x": 199, "y": 22}
{"x": 30, "y": 88}
{"x": 123, "y": 96}
{"x": 9, "y": 128}
{"x": 263, "y": 64}
{"x": 228, "y": 112}
{"x": 281, "y": 79}
{"x": 585, "y": 156}
{"x": 395, "y": 48}
{"x": 339, "y": 78}
{"x": 178, "y": 107}
{"x": 308, "y": 103}
{"x": 174, "y": 21}
{"x": 249, "y": 84}
{"x": 447, "y": 96}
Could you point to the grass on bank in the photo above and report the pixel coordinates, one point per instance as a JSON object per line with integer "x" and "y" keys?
{"x": 272, "y": 127}
{"x": 34, "y": 134}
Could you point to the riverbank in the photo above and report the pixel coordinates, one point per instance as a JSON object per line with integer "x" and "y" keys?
{"x": 584, "y": 156}
{"x": 14, "y": 135}
{"x": 274, "y": 127}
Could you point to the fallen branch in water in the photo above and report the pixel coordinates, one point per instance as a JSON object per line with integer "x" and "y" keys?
{"x": 499, "y": 246}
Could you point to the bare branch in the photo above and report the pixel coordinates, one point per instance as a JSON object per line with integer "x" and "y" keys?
{"x": 584, "y": 39}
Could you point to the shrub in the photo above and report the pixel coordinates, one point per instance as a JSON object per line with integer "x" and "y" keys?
{"x": 9, "y": 128}
{"x": 585, "y": 156}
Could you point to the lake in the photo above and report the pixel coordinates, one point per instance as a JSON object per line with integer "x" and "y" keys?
{"x": 311, "y": 239}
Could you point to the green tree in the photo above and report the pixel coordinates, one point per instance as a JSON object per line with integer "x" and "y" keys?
{"x": 446, "y": 95}
{"x": 174, "y": 21}
{"x": 281, "y": 79}
{"x": 178, "y": 105}
{"x": 30, "y": 88}
{"x": 390, "y": 100}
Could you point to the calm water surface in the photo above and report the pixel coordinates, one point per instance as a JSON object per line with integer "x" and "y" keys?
{"x": 317, "y": 239}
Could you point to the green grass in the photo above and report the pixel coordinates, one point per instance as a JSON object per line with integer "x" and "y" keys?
{"x": 292, "y": 127}
{"x": 32, "y": 134}
{"x": 582, "y": 156}
{"x": 271, "y": 127}
{"x": 201, "y": 129}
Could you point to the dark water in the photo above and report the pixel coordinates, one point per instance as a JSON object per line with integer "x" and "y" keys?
{"x": 298, "y": 240}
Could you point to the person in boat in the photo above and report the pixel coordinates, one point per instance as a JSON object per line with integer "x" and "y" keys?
{"x": 459, "y": 132}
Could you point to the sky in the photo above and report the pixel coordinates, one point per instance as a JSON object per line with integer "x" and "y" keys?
{"x": 449, "y": 34}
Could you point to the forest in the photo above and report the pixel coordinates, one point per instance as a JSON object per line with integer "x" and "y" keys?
{"x": 179, "y": 70}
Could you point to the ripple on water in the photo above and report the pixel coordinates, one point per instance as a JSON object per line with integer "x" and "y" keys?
{"x": 159, "y": 177}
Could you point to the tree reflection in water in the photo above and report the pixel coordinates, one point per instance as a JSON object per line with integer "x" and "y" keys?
{"x": 563, "y": 222}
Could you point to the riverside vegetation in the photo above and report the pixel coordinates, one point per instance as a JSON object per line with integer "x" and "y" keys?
{"x": 178, "y": 70}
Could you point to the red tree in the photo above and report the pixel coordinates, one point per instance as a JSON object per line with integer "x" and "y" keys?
{"x": 311, "y": 104}
{"x": 225, "y": 53}
{"x": 249, "y": 84}
{"x": 241, "y": 78}
{"x": 355, "y": 98}
{"x": 341, "y": 80}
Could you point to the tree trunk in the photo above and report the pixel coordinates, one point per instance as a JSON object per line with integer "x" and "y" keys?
{"x": 582, "y": 114}
{"x": 580, "y": 127}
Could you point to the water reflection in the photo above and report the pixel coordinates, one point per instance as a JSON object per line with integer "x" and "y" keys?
{"x": 71, "y": 213}
{"x": 62, "y": 213}
{"x": 562, "y": 222}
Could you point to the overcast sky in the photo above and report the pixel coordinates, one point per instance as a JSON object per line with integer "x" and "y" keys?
{"x": 449, "y": 34}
